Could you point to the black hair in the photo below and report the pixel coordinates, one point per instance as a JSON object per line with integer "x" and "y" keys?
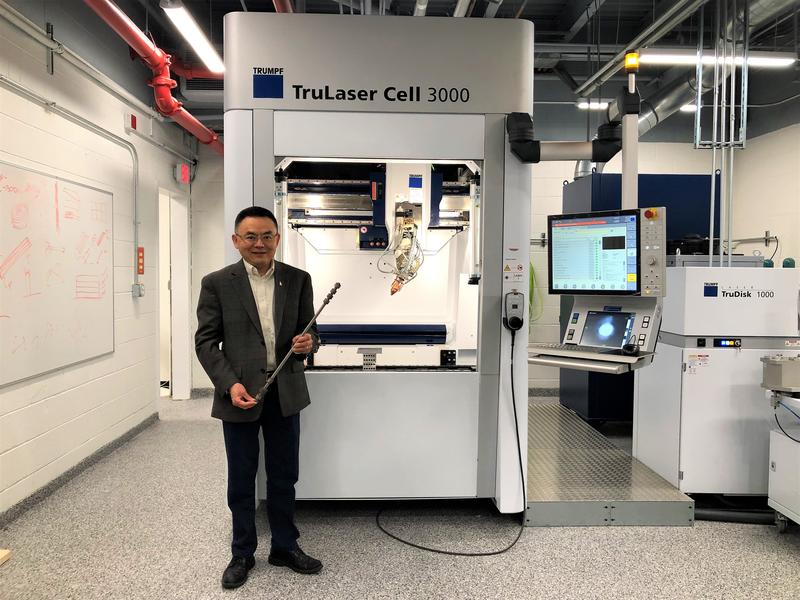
{"x": 255, "y": 211}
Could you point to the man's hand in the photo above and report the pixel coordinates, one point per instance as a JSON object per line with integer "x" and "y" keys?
{"x": 302, "y": 344}
{"x": 240, "y": 398}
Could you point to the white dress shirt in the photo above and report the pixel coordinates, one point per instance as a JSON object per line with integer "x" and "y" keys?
{"x": 263, "y": 287}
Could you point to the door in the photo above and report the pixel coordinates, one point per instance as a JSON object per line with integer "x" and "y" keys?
{"x": 725, "y": 422}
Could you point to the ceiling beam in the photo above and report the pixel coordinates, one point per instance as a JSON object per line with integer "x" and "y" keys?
{"x": 577, "y": 14}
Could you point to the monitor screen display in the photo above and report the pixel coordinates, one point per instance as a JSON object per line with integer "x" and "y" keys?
{"x": 594, "y": 253}
{"x": 609, "y": 329}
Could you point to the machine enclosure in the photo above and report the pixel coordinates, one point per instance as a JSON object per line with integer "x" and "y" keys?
{"x": 701, "y": 418}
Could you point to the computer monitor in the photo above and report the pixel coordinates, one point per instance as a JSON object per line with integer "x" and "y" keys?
{"x": 594, "y": 253}
{"x": 608, "y": 329}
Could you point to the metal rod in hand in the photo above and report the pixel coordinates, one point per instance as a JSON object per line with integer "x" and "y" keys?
{"x": 272, "y": 377}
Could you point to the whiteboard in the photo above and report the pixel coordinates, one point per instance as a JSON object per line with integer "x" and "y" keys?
{"x": 56, "y": 273}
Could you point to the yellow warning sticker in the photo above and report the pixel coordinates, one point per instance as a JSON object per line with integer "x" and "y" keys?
{"x": 507, "y": 268}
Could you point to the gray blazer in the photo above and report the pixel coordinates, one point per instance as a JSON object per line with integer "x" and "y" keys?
{"x": 227, "y": 313}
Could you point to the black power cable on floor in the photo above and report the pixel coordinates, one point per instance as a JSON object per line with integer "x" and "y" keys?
{"x": 522, "y": 479}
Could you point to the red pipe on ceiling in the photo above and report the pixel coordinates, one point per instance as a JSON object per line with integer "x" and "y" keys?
{"x": 159, "y": 62}
{"x": 283, "y": 6}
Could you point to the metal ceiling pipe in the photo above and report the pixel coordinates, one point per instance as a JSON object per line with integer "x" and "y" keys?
{"x": 420, "y": 8}
{"x": 153, "y": 56}
{"x": 681, "y": 86}
{"x": 159, "y": 62}
{"x": 461, "y": 8}
{"x": 491, "y": 8}
{"x": 584, "y": 168}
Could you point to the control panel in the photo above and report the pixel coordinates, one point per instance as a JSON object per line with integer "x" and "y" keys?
{"x": 598, "y": 321}
{"x": 371, "y": 237}
{"x": 653, "y": 243}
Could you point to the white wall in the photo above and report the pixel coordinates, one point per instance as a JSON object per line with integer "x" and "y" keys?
{"x": 164, "y": 311}
{"x": 548, "y": 179}
{"x": 209, "y": 237}
{"x": 766, "y": 185}
{"x": 50, "y": 423}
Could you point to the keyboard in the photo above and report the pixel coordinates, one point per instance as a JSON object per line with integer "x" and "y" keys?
{"x": 592, "y": 353}
{"x": 577, "y": 348}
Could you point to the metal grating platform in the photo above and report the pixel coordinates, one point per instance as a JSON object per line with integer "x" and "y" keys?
{"x": 576, "y": 477}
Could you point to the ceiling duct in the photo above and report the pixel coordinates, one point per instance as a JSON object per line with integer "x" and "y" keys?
{"x": 201, "y": 93}
{"x": 681, "y": 84}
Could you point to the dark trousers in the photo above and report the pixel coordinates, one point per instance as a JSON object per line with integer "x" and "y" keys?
{"x": 282, "y": 444}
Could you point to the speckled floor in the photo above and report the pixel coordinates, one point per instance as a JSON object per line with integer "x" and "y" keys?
{"x": 149, "y": 521}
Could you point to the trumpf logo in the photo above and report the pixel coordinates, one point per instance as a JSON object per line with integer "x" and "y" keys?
{"x": 711, "y": 290}
{"x": 267, "y": 82}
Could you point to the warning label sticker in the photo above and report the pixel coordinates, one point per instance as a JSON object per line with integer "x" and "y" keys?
{"x": 514, "y": 271}
{"x": 697, "y": 361}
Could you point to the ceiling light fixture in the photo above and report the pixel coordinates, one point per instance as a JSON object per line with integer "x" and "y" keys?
{"x": 689, "y": 108}
{"x": 686, "y": 56}
{"x": 191, "y": 32}
{"x": 584, "y": 104}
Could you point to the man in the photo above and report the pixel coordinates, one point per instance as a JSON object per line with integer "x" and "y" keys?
{"x": 256, "y": 308}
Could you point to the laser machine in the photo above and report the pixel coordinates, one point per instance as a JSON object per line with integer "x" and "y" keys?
{"x": 380, "y": 144}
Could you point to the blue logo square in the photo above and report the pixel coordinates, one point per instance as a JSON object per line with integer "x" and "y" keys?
{"x": 710, "y": 291}
{"x": 267, "y": 86}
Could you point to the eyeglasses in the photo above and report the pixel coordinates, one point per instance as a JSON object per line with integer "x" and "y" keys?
{"x": 252, "y": 238}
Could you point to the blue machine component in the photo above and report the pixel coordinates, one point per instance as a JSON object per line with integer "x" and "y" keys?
{"x": 383, "y": 335}
{"x": 436, "y": 197}
{"x": 685, "y": 197}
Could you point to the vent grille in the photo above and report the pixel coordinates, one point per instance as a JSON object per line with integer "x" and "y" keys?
{"x": 204, "y": 84}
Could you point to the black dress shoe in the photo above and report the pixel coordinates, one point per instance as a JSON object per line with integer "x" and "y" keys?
{"x": 297, "y": 560}
{"x": 236, "y": 572}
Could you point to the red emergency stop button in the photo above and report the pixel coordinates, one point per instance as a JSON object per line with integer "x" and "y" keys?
{"x": 650, "y": 213}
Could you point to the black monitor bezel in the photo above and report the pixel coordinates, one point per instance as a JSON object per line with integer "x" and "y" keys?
{"x": 604, "y": 213}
